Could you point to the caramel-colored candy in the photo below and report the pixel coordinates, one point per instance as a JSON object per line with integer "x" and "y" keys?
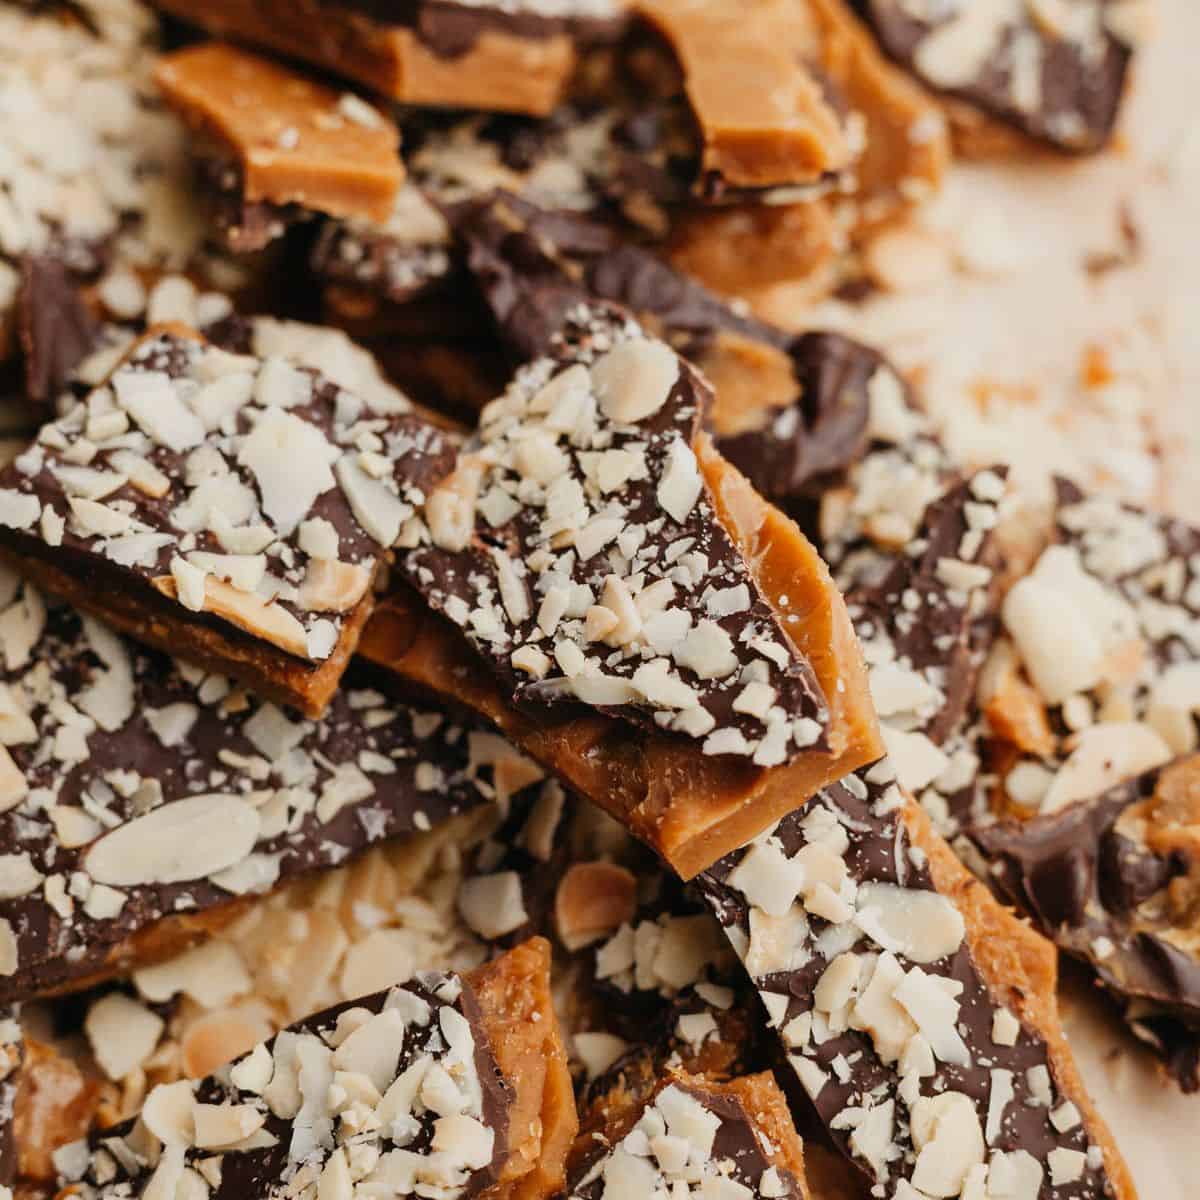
{"x": 443, "y": 55}
{"x": 763, "y": 113}
{"x": 692, "y": 808}
{"x": 291, "y": 141}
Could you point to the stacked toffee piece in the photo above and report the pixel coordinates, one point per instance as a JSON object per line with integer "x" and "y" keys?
{"x": 563, "y": 776}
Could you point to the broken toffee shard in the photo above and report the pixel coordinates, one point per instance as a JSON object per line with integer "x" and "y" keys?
{"x": 918, "y": 1014}
{"x": 1056, "y": 75}
{"x": 784, "y": 130}
{"x": 454, "y": 1086}
{"x": 272, "y": 146}
{"x": 228, "y": 509}
{"x": 506, "y": 55}
{"x": 143, "y": 801}
{"x": 650, "y": 1135}
{"x": 595, "y": 552}
{"x": 1112, "y": 880}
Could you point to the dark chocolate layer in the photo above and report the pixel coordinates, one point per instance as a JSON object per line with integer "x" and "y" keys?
{"x": 1094, "y": 884}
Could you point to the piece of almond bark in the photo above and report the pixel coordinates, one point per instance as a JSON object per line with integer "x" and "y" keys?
{"x": 596, "y": 552}
{"x": 1111, "y": 879}
{"x": 680, "y": 1133}
{"x": 143, "y": 800}
{"x": 231, "y": 510}
{"x": 511, "y": 57}
{"x": 449, "y": 1085}
{"x": 93, "y": 177}
{"x": 926, "y": 618}
{"x": 1098, "y": 676}
{"x": 273, "y": 147}
{"x": 917, "y": 1013}
{"x": 1054, "y": 74}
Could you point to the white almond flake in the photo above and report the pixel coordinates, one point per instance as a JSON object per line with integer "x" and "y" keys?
{"x": 917, "y": 761}
{"x": 658, "y": 686}
{"x": 376, "y": 508}
{"x": 634, "y": 379}
{"x": 190, "y": 587}
{"x": 708, "y": 651}
{"x": 122, "y": 1033}
{"x": 244, "y": 571}
{"x": 290, "y": 460}
{"x": 681, "y": 483}
{"x": 318, "y": 538}
{"x": 17, "y": 510}
{"x": 187, "y": 839}
{"x": 8, "y": 949}
{"x": 922, "y": 926}
{"x": 98, "y": 520}
{"x": 493, "y": 905}
{"x": 18, "y": 876}
{"x": 949, "y": 1142}
{"x": 157, "y": 409}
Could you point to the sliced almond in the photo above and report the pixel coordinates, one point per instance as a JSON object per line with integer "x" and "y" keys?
{"x": 187, "y": 839}
{"x": 247, "y": 611}
{"x": 219, "y": 1037}
{"x": 633, "y": 380}
{"x": 450, "y": 507}
{"x": 122, "y": 1033}
{"x": 332, "y": 586}
{"x": 593, "y": 900}
{"x": 1103, "y": 756}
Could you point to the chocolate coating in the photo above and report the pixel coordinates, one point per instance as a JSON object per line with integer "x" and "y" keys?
{"x": 1103, "y": 895}
{"x": 54, "y": 326}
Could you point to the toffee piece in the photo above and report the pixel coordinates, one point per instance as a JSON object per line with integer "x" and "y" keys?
{"x": 1112, "y": 879}
{"x": 782, "y": 131}
{"x": 272, "y": 146}
{"x": 917, "y": 1013}
{"x": 691, "y": 807}
{"x": 1096, "y": 679}
{"x": 454, "y": 1084}
{"x": 686, "y": 1134}
{"x": 745, "y": 589}
{"x": 925, "y": 618}
{"x": 1055, "y": 74}
{"x": 516, "y": 56}
{"x": 230, "y": 509}
{"x": 577, "y": 549}
{"x": 142, "y": 797}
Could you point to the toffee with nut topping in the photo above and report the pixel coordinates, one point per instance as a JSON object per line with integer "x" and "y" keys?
{"x": 870, "y": 974}
{"x": 577, "y": 548}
